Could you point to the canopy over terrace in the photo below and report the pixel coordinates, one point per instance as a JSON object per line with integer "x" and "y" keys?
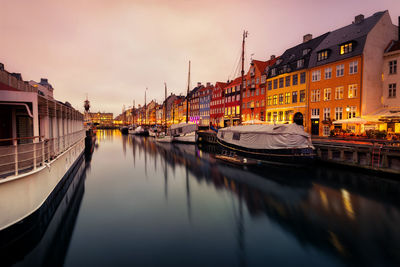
{"x": 255, "y": 121}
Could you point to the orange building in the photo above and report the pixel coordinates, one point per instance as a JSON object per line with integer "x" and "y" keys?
{"x": 345, "y": 73}
{"x": 254, "y": 91}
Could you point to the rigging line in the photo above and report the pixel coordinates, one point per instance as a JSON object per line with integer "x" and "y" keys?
{"x": 237, "y": 61}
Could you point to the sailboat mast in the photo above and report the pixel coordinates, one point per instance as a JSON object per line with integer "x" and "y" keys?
{"x": 242, "y": 72}
{"x": 187, "y": 96}
{"x": 165, "y": 108}
{"x": 145, "y": 111}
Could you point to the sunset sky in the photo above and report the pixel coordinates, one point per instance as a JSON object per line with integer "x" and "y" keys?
{"x": 113, "y": 49}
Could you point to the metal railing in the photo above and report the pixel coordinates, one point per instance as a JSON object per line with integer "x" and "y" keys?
{"x": 28, "y": 153}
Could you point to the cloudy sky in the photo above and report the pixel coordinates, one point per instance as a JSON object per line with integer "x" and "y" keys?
{"x": 113, "y": 49}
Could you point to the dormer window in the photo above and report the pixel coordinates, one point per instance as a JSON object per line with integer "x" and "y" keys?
{"x": 285, "y": 68}
{"x": 346, "y": 48}
{"x": 322, "y": 55}
{"x": 300, "y": 63}
{"x": 279, "y": 61}
{"x": 306, "y": 51}
{"x": 273, "y": 72}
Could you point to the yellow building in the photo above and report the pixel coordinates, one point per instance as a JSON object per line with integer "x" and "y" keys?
{"x": 288, "y": 82}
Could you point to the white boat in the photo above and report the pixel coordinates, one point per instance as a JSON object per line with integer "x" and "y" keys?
{"x": 153, "y": 132}
{"x": 281, "y": 143}
{"x": 42, "y": 143}
{"x": 164, "y": 139}
{"x": 184, "y": 132}
{"x": 131, "y": 130}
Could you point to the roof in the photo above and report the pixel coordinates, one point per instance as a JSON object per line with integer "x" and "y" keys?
{"x": 355, "y": 32}
{"x": 287, "y": 62}
{"x": 393, "y": 46}
{"x": 220, "y": 84}
{"x": 262, "y": 65}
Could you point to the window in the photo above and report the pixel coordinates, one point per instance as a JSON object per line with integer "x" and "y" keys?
{"x": 269, "y": 85}
{"x": 280, "y": 116}
{"x": 351, "y": 113}
{"x": 257, "y": 80}
{"x": 316, "y": 75}
{"x": 244, "y": 94}
{"x": 393, "y": 67}
{"x": 353, "y": 67}
{"x": 287, "y": 98}
{"x": 339, "y": 70}
{"x": 313, "y": 96}
{"x": 275, "y": 83}
{"x": 275, "y": 116}
{"x": 328, "y": 73}
{"x": 248, "y": 93}
{"x": 346, "y": 48}
{"x": 352, "y": 93}
{"x": 392, "y": 90}
{"x": 273, "y": 72}
{"x": 327, "y": 114}
{"x": 338, "y": 113}
{"x": 315, "y": 113}
{"x": 317, "y": 95}
{"x": 269, "y": 101}
{"x": 302, "y": 77}
{"x": 252, "y": 92}
{"x": 269, "y": 117}
{"x": 322, "y": 55}
{"x": 327, "y": 94}
{"x": 237, "y": 97}
{"x": 257, "y": 104}
{"x": 287, "y": 81}
{"x": 244, "y": 105}
{"x": 257, "y": 91}
{"x": 275, "y": 100}
{"x": 302, "y": 95}
{"x": 262, "y": 90}
{"x": 280, "y": 82}
{"x": 326, "y": 130}
{"x": 295, "y": 79}
{"x": 280, "y": 99}
{"x": 263, "y": 78}
{"x": 294, "y": 97}
{"x": 237, "y": 109}
{"x": 339, "y": 92}
{"x": 263, "y": 103}
{"x": 306, "y": 51}
{"x": 300, "y": 63}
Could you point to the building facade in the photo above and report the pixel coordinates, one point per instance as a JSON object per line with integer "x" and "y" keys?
{"x": 204, "y": 104}
{"x": 287, "y": 82}
{"x": 345, "y": 75}
{"x": 217, "y": 105}
{"x": 231, "y": 101}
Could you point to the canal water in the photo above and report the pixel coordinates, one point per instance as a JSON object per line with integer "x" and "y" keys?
{"x": 140, "y": 203}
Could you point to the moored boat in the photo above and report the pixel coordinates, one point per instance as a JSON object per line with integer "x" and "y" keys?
{"x": 281, "y": 143}
{"x": 42, "y": 142}
{"x": 184, "y": 132}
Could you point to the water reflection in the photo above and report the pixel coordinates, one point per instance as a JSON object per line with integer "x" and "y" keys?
{"x": 353, "y": 217}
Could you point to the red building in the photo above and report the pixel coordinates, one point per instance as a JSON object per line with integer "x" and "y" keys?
{"x": 231, "y": 100}
{"x": 254, "y": 93}
{"x": 217, "y": 105}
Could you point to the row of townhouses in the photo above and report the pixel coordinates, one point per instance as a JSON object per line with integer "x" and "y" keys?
{"x": 343, "y": 79}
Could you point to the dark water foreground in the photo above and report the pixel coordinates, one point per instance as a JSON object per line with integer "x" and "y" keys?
{"x": 140, "y": 203}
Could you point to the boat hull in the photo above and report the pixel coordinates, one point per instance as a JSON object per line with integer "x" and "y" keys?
{"x": 22, "y": 195}
{"x": 189, "y": 138}
{"x": 292, "y": 156}
{"x": 166, "y": 139}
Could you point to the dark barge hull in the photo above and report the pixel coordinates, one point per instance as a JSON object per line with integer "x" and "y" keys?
{"x": 296, "y": 157}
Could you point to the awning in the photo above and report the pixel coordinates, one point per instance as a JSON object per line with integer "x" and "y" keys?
{"x": 356, "y": 120}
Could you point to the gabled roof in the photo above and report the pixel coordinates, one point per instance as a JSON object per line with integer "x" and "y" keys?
{"x": 290, "y": 57}
{"x": 355, "y": 32}
{"x": 393, "y": 46}
{"x": 220, "y": 84}
{"x": 262, "y": 65}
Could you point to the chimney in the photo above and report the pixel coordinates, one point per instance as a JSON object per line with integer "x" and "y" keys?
{"x": 2, "y": 65}
{"x": 307, "y": 38}
{"x": 43, "y": 81}
{"x": 208, "y": 84}
{"x": 198, "y": 84}
{"x": 359, "y": 19}
{"x": 272, "y": 57}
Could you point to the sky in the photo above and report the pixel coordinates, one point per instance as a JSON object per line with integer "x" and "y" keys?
{"x": 112, "y": 50}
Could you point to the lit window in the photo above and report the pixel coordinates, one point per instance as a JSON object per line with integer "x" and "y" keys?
{"x": 327, "y": 94}
{"x": 352, "y": 91}
{"x": 322, "y": 55}
{"x": 351, "y": 113}
{"x": 339, "y": 92}
{"x": 346, "y": 48}
{"x": 287, "y": 98}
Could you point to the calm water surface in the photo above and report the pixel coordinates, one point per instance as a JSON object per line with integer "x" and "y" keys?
{"x": 150, "y": 204}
